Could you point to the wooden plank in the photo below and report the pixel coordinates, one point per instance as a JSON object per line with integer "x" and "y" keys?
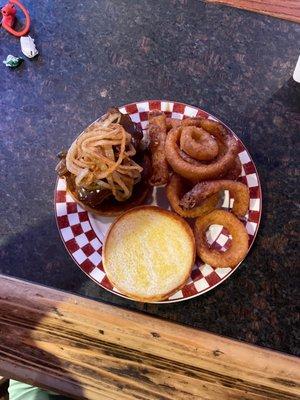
{"x": 90, "y": 350}
{"x": 285, "y": 9}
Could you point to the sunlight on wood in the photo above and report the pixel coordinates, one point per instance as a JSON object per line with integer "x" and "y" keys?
{"x": 91, "y": 350}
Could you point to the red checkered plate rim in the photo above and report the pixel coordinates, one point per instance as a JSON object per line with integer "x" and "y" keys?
{"x": 83, "y": 233}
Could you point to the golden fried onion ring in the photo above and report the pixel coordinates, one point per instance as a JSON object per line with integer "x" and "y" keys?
{"x": 206, "y": 189}
{"x": 198, "y": 143}
{"x": 175, "y": 190}
{"x": 172, "y": 123}
{"x": 234, "y": 172}
{"x": 239, "y": 244}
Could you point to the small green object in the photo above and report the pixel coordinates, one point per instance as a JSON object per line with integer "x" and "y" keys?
{"x": 12, "y": 61}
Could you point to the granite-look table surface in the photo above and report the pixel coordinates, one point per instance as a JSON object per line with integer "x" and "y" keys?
{"x": 235, "y": 64}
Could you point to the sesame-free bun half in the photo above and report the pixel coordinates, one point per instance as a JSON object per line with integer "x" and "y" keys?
{"x": 148, "y": 253}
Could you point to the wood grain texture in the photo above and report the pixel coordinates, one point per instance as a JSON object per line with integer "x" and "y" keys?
{"x": 285, "y": 9}
{"x": 91, "y": 350}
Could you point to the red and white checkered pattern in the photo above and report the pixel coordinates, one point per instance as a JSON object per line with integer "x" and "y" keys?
{"x": 85, "y": 246}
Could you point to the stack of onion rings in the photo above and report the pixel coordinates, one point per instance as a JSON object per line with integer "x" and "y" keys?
{"x": 203, "y": 156}
{"x": 197, "y": 170}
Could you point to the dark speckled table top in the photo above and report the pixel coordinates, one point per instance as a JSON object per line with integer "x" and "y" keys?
{"x": 235, "y": 64}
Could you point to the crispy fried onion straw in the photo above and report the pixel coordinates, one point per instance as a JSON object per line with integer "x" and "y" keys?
{"x": 100, "y": 158}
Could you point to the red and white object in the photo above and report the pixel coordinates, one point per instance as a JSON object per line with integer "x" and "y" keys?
{"x": 83, "y": 233}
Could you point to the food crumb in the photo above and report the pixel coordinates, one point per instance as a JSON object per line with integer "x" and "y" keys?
{"x": 103, "y": 92}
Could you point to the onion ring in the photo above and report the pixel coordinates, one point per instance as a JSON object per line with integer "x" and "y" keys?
{"x": 198, "y": 143}
{"x": 192, "y": 121}
{"x": 175, "y": 190}
{"x": 157, "y": 136}
{"x": 172, "y": 123}
{"x": 239, "y": 244}
{"x": 201, "y": 171}
{"x": 203, "y": 190}
{"x": 234, "y": 173}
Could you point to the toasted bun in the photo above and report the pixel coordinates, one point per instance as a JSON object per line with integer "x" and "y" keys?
{"x": 148, "y": 253}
